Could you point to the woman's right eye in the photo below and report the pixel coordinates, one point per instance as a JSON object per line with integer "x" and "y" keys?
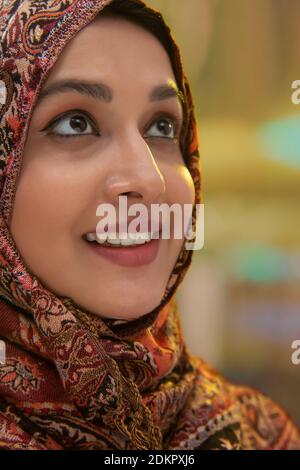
{"x": 71, "y": 125}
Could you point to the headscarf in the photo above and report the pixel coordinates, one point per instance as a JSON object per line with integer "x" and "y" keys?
{"x": 74, "y": 380}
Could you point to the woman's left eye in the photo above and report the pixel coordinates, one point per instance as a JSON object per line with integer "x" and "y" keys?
{"x": 167, "y": 126}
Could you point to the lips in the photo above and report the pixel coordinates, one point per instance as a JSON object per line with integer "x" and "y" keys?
{"x": 132, "y": 256}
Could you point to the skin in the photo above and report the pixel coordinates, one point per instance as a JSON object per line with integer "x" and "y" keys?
{"x": 63, "y": 180}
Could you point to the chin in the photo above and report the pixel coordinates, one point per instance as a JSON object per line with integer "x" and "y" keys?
{"x": 127, "y": 309}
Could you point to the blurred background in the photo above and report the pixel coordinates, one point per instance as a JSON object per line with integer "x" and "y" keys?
{"x": 240, "y": 302}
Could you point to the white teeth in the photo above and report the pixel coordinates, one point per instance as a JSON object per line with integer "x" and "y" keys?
{"x": 91, "y": 237}
{"x": 124, "y": 239}
{"x": 140, "y": 238}
{"x": 113, "y": 239}
{"x": 101, "y": 237}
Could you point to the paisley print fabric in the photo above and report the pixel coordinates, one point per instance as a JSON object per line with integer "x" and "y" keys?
{"x": 72, "y": 380}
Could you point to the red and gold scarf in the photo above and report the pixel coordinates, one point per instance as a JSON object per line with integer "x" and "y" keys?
{"x": 72, "y": 380}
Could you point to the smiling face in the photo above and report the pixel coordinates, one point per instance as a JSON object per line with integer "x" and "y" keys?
{"x": 121, "y": 141}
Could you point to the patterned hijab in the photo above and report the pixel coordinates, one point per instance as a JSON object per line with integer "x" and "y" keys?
{"x": 74, "y": 380}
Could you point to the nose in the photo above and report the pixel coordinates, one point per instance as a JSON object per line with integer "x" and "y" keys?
{"x": 135, "y": 173}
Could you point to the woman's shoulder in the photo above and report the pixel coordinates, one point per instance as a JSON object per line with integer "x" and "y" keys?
{"x": 243, "y": 417}
{"x": 265, "y": 424}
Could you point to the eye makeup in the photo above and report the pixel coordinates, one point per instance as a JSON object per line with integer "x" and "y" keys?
{"x": 174, "y": 118}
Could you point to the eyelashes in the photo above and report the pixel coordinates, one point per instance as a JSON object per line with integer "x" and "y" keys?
{"x": 75, "y": 115}
{"x": 82, "y": 121}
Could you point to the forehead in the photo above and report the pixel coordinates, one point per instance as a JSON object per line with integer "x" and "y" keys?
{"x": 117, "y": 49}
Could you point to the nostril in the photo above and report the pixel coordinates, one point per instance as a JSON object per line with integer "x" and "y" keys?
{"x": 131, "y": 193}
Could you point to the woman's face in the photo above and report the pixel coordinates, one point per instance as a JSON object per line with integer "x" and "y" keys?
{"x": 119, "y": 145}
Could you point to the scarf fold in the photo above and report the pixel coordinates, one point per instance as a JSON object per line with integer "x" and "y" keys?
{"x": 74, "y": 380}
{"x": 62, "y": 368}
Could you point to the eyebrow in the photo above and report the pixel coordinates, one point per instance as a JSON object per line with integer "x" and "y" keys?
{"x": 104, "y": 93}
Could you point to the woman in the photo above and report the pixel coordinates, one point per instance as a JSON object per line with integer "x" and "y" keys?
{"x": 95, "y": 105}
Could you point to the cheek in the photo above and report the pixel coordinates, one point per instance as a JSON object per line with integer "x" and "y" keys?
{"x": 45, "y": 201}
{"x": 180, "y": 185}
{"x": 179, "y": 190}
